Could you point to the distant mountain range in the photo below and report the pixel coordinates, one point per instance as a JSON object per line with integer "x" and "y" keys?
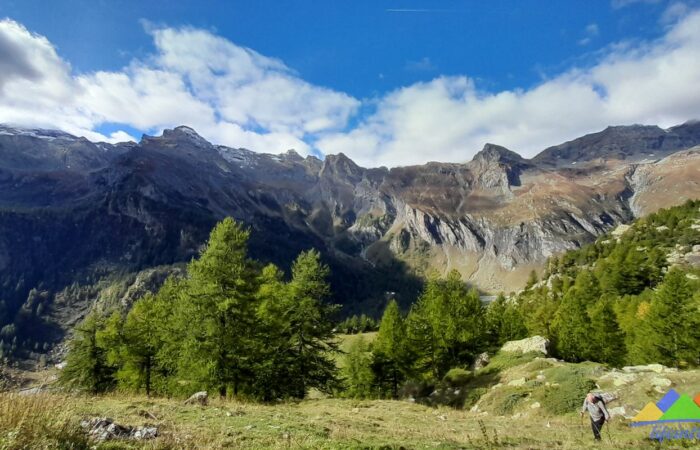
{"x": 74, "y": 212}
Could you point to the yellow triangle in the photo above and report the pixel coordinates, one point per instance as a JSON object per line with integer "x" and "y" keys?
{"x": 649, "y": 413}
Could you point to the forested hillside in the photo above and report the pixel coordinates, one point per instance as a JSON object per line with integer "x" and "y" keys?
{"x": 632, "y": 297}
{"x": 238, "y": 328}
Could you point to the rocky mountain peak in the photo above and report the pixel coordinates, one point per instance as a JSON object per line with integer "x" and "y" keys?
{"x": 497, "y": 153}
{"x": 292, "y": 155}
{"x": 340, "y": 165}
{"x": 185, "y": 133}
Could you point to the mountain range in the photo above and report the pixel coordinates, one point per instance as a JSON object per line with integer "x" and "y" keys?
{"x": 74, "y": 213}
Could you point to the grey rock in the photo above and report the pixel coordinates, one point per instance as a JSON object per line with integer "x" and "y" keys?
{"x": 531, "y": 344}
{"x": 198, "y": 398}
{"x": 104, "y": 429}
{"x": 656, "y": 368}
{"x": 481, "y": 361}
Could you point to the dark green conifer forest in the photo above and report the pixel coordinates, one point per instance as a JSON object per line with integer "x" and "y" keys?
{"x": 236, "y": 328}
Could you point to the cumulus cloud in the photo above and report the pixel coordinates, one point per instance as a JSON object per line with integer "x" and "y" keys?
{"x": 449, "y": 118}
{"x": 230, "y": 94}
{"x": 235, "y": 96}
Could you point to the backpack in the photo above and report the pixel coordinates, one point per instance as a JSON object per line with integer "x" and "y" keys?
{"x": 605, "y": 397}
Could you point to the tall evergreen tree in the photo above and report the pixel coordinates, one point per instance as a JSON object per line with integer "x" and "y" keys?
{"x": 390, "y": 349}
{"x": 504, "y": 321}
{"x": 274, "y": 368}
{"x": 672, "y": 324}
{"x": 86, "y": 365}
{"x": 607, "y": 339}
{"x": 357, "y": 373}
{"x": 446, "y": 326}
{"x": 217, "y": 313}
{"x": 142, "y": 339}
{"x": 573, "y": 322}
{"x": 308, "y": 326}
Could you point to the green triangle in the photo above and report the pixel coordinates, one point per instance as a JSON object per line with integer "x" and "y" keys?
{"x": 683, "y": 408}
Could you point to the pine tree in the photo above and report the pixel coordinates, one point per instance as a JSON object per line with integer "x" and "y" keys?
{"x": 672, "y": 324}
{"x": 390, "y": 350}
{"x": 308, "y": 326}
{"x": 142, "y": 338}
{"x": 531, "y": 280}
{"x": 216, "y": 313}
{"x": 607, "y": 339}
{"x": 446, "y": 326}
{"x": 86, "y": 365}
{"x": 494, "y": 317}
{"x": 504, "y": 321}
{"x": 357, "y": 372}
{"x": 274, "y": 368}
{"x": 573, "y": 323}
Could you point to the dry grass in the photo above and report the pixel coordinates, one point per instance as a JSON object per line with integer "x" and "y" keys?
{"x": 29, "y": 422}
{"x": 51, "y": 421}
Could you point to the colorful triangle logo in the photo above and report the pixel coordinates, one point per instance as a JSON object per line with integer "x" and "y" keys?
{"x": 673, "y": 407}
{"x": 683, "y": 410}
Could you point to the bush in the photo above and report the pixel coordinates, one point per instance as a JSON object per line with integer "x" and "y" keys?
{"x": 457, "y": 377}
{"x": 506, "y": 360}
{"x": 568, "y": 395}
{"x": 509, "y": 402}
{"x": 502, "y": 401}
{"x": 473, "y": 395}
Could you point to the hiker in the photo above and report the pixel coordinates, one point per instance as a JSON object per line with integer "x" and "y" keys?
{"x": 595, "y": 406}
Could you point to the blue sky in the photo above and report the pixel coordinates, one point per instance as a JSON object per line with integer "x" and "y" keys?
{"x": 370, "y": 78}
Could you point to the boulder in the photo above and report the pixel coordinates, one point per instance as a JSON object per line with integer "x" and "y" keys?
{"x": 531, "y": 344}
{"x": 658, "y": 368}
{"x": 481, "y": 361}
{"x": 621, "y": 379}
{"x": 201, "y": 398}
{"x": 661, "y": 382}
{"x": 618, "y": 411}
{"x": 104, "y": 429}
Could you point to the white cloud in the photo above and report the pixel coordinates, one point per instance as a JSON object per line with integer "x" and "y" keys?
{"x": 235, "y": 96}
{"x": 674, "y": 12}
{"x": 449, "y": 119}
{"x": 230, "y": 94}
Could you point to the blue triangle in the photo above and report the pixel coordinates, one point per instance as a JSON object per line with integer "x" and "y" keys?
{"x": 669, "y": 399}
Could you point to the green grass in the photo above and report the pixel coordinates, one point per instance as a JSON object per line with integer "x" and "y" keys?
{"x": 313, "y": 424}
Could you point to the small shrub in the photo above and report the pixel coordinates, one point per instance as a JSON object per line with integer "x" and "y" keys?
{"x": 568, "y": 395}
{"x": 505, "y": 360}
{"x": 473, "y": 395}
{"x": 457, "y": 377}
{"x": 509, "y": 402}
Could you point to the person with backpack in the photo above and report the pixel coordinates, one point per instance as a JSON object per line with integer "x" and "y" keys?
{"x": 595, "y": 405}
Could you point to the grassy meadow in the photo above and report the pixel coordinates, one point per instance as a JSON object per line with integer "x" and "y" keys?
{"x": 52, "y": 421}
{"x": 505, "y": 418}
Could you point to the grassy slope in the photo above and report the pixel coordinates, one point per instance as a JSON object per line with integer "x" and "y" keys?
{"x": 47, "y": 420}
{"x": 308, "y": 424}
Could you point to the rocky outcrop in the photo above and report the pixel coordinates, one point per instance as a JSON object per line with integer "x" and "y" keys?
{"x": 105, "y": 429}
{"x": 532, "y": 344}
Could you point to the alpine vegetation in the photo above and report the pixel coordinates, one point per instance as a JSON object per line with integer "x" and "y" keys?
{"x": 230, "y": 326}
